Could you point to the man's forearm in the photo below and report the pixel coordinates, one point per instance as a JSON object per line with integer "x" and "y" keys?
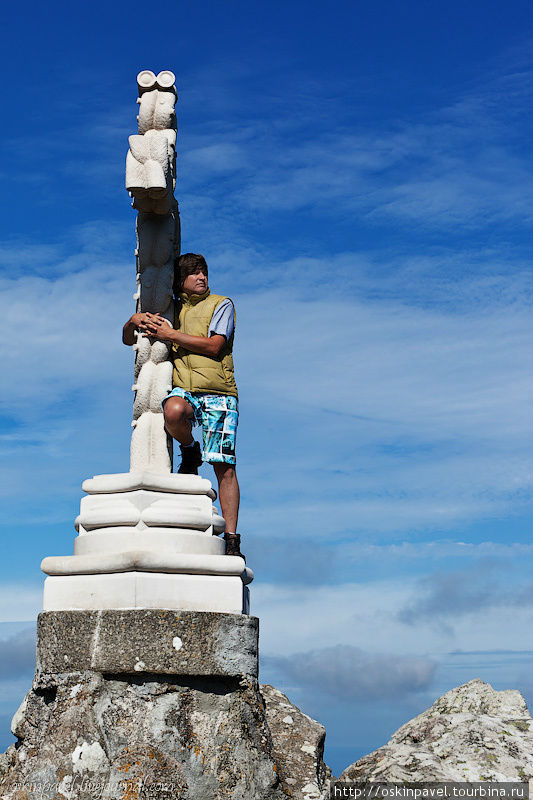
{"x": 157, "y": 326}
{"x": 203, "y": 345}
{"x": 128, "y": 332}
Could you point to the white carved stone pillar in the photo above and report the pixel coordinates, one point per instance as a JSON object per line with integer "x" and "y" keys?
{"x": 148, "y": 539}
{"x": 151, "y": 181}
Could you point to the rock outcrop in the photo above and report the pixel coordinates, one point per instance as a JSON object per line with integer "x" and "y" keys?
{"x": 89, "y": 736}
{"x": 298, "y": 747}
{"x": 472, "y": 733}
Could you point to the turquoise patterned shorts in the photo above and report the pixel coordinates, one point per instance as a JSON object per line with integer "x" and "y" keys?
{"x": 218, "y": 414}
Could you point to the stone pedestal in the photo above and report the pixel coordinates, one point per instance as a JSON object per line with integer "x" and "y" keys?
{"x": 151, "y": 704}
{"x": 146, "y": 641}
{"x": 148, "y": 541}
{"x": 143, "y": 704}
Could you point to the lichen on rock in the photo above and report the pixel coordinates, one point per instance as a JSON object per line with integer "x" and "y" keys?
{"x": 472, "y": 733}
{"x": 92, "y": 736}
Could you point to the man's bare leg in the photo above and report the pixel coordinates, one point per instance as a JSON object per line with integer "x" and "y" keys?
{"x": 229, "y": 494}
{"x": 179, "y": 417}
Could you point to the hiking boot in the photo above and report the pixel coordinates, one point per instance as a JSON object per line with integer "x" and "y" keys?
{"x": 191, "y": 459}
{"x": 233, "y": 545}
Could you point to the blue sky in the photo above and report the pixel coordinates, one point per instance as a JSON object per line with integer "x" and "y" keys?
{"x": 359, "y": 179}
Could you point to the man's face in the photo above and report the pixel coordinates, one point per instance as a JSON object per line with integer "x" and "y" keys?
{"x": 196, "y": 282}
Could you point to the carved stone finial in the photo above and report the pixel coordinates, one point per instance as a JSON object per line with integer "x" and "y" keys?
{"x": 151, "y": 181}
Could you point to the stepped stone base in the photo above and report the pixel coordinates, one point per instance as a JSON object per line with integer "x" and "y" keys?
{"x": 147, "y": 590}
{"x": 148, "y": 641}
{"x": 148, "y": 540}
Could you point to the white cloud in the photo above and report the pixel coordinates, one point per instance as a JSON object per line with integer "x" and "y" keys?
{"x": 20, "y": 602}
{"x": 402, "y": 416}
{"x": 18, "y": 654}
{"x": 393, "y": 416}
{"x": 458, "y": 167}
{"x": 349, "y": 673}
{"x": 446, "y": 596}
{"x": 63, "y": 333}
{"x": 299, "y": 619}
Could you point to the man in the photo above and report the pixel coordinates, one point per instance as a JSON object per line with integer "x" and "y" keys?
{"x": 204, "y": 390}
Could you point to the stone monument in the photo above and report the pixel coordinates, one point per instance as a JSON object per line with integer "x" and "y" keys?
{"x": 149, "y": 538}
{"x": 147, "y": 658}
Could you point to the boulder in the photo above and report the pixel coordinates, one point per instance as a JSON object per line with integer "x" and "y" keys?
{"x": 472, "y": 733}
{"x": 93, "y": 736}
{"x": 298, "y": 747}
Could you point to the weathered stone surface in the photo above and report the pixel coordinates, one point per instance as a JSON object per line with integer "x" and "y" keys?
{"x": 472, "y": 733}
{"x": 83, "y": 736}
{"x": 86, "y": 737}
{"x": 298, "y": 747}
{"x": 151, "y": 180}
{"x": 147, "y": 641}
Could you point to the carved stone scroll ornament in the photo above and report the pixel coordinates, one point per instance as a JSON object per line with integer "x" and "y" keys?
{"x": 151, "y": 181}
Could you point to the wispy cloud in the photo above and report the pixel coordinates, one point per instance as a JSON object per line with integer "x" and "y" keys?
{"x": 18, "y": 654}
{"x": 406, "y": 416}
{"x": 459, "y": 166}
{"x": 444, "y": 597}
{"x": 301, "y": 618}
{"x": 20, "y": 601}
{"x": 352, "y": 674}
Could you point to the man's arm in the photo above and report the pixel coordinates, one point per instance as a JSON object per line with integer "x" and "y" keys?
{"x": 134, "y": 323}
{"x": 159, "y": 328}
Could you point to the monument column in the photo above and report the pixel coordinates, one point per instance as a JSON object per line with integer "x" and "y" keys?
{"x": 148, "y": 538}
{"x": 151, "y": 181}
{"x": 146, "y": 682}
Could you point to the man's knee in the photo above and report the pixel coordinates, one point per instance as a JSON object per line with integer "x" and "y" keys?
{"x": 177, "y": 410}
{"x": 224, "y": 470}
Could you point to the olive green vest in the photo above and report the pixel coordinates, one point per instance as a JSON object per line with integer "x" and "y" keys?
{"x": 195, "y": 372}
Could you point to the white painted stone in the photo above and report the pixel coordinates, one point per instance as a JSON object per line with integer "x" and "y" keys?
{"x": 18, "y": 718}
{"x": 149, "y": 437}
{"x": 177, "y": 644}
{"x": 89, "y": 757}
{"x": 144, "y": 499}
{"x": 146, "y": 509}
{"x": 144, "y": 479}
{"x": 174, "y": 512}
{"x": 159, "y": 540}
{"x": 146, "y": 80}
{"x": 146, "y": 590}
{"x": 146, "y": 537}
{"x": 147, "y": 163}
{"x": 119, "y": 511}
{"x": 166, "y": 79}
{"x": 156, "y": 111}
{"x": 151, "y": 181}
{"x": 131, "y": 535}
{"x": 146, "y": 561}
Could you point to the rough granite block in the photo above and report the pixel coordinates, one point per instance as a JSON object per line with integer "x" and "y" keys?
{"x": 148, "y": 641}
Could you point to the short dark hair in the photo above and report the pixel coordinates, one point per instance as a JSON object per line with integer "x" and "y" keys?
{"x": 185, "y": 265}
